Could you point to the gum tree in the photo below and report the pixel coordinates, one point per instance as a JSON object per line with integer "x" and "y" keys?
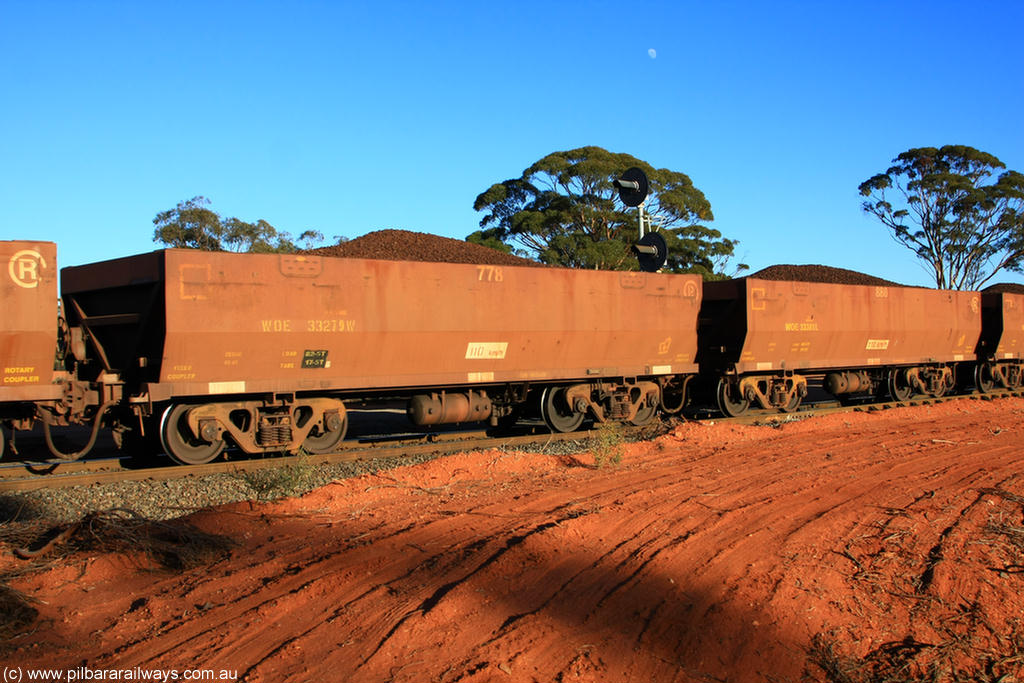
{"x": 957, "y": 208}
{"x": 193, "y": 225}
{"x": 564, "y": 210}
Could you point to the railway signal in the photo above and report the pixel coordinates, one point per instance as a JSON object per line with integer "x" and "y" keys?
{"x": 651, "y": 249}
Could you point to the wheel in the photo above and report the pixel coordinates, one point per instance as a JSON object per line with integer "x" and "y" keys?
{"x": 557, "y": 414}
{"x": 179, "y": 443}
{"x": 793, "y": 404}
{"x": 644, "y": 415}
{"x": 731, "y": 404}
{"x": 3, "y": 441}
{"x": 322, "y": 440}
{"x": 899, "y": 387}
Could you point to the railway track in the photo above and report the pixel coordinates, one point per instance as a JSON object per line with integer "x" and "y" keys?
{"x": 29, "y": 475}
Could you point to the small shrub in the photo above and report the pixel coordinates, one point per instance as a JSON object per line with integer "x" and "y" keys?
{"x": 607, "y": 446}
{"x": 279, "y": 482}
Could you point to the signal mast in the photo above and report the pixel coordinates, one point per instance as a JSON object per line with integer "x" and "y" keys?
{"x": 651, "y": 249}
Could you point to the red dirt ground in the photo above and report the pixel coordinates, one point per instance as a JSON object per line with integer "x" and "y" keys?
{"x": 715, "y": 553}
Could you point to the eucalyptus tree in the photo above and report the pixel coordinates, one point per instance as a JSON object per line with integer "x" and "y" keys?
{"x": 193, "y": 225}
{"x": 957, "y": 208}
{"x": 564, "y": 210}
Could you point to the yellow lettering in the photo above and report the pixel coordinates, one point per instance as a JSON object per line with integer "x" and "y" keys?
{"x": 276, "y": 325}
{"x": 27, "y": 270}
{"x": 330, "y": 325}
{"x": 171, "y": 377}
{"x": 22, "y": 379}
{"x": 489, "y": 274}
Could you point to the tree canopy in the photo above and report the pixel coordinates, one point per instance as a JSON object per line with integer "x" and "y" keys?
{"x": 564, "y": 210}
{"x": 936, "y": 202}
{"x": 193, "y": 225}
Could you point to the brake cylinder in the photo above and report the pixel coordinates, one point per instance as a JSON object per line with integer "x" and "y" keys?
{"x": 445, "y": 408}
{"x": 847, "y": 382}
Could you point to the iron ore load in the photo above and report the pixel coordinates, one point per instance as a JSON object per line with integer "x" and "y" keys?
{"x": 208, "y": 351}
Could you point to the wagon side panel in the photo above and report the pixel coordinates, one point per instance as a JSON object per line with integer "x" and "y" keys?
{"x": 818, "y": 326}
{"x": 245, "y": 323}
{"x": 28, "y": 320}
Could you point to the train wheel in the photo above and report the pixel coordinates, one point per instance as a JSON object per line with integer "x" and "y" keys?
{"x": 945, "y": 385}
{"x": 899, "y": 387}
{"x": 644, "y": 415}
{"x": 320, "y": 440}
{"x": 557, "y": 413}
{"x": 793, "y": 404}
{"x": 729, "y": 401}
{"x": 180, "y": 444}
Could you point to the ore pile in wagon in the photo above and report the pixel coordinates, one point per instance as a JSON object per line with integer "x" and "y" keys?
{"x": 404, "y": 245}
{"x": 819, "y": 273}
{"x": 1005, "y": 288}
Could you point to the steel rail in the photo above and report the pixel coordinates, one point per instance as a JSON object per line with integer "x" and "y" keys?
{"x": 80, "y": 473}
{"x": 27, "y": 476}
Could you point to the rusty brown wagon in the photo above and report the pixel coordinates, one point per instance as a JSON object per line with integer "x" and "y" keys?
{"x": 1001, "y": 347}
{"x": 761, "y": 339}
{"x": 263, "y": 351}
{"x": 28, "y": 332}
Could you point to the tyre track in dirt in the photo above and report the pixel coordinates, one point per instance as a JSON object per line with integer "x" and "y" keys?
{"x": 715, "y": 553}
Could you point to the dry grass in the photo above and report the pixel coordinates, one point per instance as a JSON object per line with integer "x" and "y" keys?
{"x": 16, "y": 612}
{"x": 174, "y": 545}
{"x": 953, "y": 660}
{"x": 965, "y": 647}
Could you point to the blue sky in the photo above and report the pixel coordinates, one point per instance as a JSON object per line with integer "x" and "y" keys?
{"x": 350, "y": 117}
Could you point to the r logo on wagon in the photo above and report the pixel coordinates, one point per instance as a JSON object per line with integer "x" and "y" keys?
{"x": 25, "y": 266}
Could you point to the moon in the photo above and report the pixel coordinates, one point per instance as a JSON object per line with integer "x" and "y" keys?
{"x": 652, "y": 53}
